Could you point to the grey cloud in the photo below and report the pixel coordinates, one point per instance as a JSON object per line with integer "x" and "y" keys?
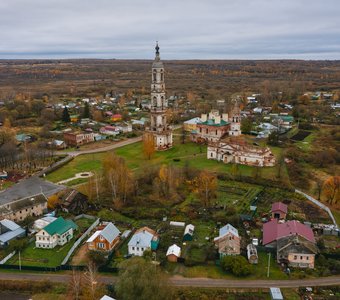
{"x": 185, "y": 28}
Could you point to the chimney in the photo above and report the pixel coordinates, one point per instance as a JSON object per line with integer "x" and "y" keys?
{"x": 217, "y": 119}
{"x": 225, "y": 117}
{"x": 204, "y": 117}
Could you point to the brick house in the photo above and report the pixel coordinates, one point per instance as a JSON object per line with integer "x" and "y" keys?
{"x": 228, "y": 241}
{"x": 105, "y": 239}
{"x": 74, "y": 139}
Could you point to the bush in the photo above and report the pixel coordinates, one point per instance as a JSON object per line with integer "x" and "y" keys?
{"x": 237, "y": 265}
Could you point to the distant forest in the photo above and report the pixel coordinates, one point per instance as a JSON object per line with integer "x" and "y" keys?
{"x": 211, "y": 79}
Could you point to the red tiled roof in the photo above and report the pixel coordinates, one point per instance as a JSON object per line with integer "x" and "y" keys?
{"x": 273, "y": 231}
{"x": 279, "y": 206}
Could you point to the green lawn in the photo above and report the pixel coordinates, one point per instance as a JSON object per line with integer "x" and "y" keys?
{"x": 32, "y": 256}
{"x": 133, "y": 154}
{"x": 82, "y": 163}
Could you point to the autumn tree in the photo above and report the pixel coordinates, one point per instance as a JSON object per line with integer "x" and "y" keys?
{"x": 53, "y": 201}
{"x": 140, "y": 279}
{"x": 90, "y": 282}
{"x": 148, "y": 145}
{"x": 331, "y": 189}
{"x": 117, "y": 177}
{"x": 206, "y": 186}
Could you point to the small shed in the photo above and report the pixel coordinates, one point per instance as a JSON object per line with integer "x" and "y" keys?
{"x": 275, "y": 294}
{"x": 188, "y": 232}
{"x": 177, "y": 224}
{"x": 279, "y": 210}
{"x": 252, "y": 254}
{"x": 173, "y": 253}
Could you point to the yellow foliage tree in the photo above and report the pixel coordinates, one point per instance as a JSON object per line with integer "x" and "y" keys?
{"x": 148, "y": 145}
{"x": 117, "y": 177}
{"x": 53, "y": 201}
{"x": 206, "y": 186}
{"x": 331, "y": 189}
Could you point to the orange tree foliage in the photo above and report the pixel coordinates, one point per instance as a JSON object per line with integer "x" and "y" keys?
{"x": 331, "y": 189}
{"x": 148, "y": 145}
{"x": 117, "y": 177}
{"x": 206, "y": 186}
{"x": 53, "y": 202}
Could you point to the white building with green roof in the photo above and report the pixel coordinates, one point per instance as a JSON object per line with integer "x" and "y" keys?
{"x": 59, "y": 232}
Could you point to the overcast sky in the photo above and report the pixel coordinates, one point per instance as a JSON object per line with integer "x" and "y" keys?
{"x": 185, "y": 29}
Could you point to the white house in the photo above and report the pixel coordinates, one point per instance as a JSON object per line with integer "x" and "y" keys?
{"x": 143, "y": 239}
{"x": 59, "y": 232}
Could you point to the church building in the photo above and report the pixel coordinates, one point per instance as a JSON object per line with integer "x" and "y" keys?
{"x": 159, "y": 129}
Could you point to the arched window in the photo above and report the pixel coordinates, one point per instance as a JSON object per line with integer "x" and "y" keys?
{"x": 162, "y": 75}
{"x": 154, "y": 75}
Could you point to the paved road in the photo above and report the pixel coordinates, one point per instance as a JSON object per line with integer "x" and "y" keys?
{"x": 189, "y": 282}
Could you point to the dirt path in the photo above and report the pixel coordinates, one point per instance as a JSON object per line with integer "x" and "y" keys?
{"x": 81, "y": 256}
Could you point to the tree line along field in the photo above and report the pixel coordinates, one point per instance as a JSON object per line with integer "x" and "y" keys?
{"x": 213, "y": 78}
{"x": 179, "y": 155}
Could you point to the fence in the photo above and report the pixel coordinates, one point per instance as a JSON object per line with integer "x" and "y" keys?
{"x": 318, "y": 203}
{"x": 9, "y": 256}
{"x": 55, "y": 166}
{"x": 85, "y": 216}
{"x": 77, "y": 243}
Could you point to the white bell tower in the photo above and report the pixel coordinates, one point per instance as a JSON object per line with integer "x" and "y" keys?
{"x": 159, "y": 127}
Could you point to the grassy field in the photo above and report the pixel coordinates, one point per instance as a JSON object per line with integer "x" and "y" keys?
{"x": 178, "y": 155}
{"x": 32, "y": 256}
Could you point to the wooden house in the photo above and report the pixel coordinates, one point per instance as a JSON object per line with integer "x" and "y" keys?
{"x": 279, "y": 210}
{"x": 228, "y": 241}
{"x": 105, "y": 239}
{"x": 173, "y": 253}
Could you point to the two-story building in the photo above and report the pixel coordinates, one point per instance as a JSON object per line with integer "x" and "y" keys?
{"x": 294, "y": 242}
{"x": 104, "y": 239}
{"x": 74, "y": 139}
{"x": 228, "y": 241}
{"x": 59, "y": 232}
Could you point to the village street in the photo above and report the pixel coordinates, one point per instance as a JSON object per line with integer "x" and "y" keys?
{"x": 188, "y": 282}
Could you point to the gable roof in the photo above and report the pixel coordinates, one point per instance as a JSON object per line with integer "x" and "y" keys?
{"x": 10, "y": 225}
{"x": 143, "y": 237}
{"x": 226, "y": 230}
{"x": 175, "y": 250}
{"x": 273, "y": 231}
{"x": 59, "y": 226}
{"x": 296, "y": 244}
{"x": 279, "y": 206}
{"x": 110, "y": 232}
{"x": 189, "y": 229}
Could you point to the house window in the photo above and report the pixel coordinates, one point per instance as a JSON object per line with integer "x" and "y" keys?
{"x": 307, "y": 257}
{"x": 142, "y": 249}
{"x": 295, "y": 257}
{"x": 137, "y": 248}
{"x": 133, "y": 248}
{"x": 101, "y": 245}
{"x": 301, "y": 257}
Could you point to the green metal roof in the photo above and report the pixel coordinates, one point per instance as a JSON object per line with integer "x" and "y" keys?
{"x": 211, "y": 122}
{"x": 60, "y": 226}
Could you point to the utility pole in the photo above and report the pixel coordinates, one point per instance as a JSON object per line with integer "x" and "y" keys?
{"x": 19, "y": 261}
{"x": 269, "y": 254}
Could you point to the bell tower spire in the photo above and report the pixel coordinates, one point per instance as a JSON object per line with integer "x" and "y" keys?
{"x": 159, "y": 127}
{"x": 157, "y": 58}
